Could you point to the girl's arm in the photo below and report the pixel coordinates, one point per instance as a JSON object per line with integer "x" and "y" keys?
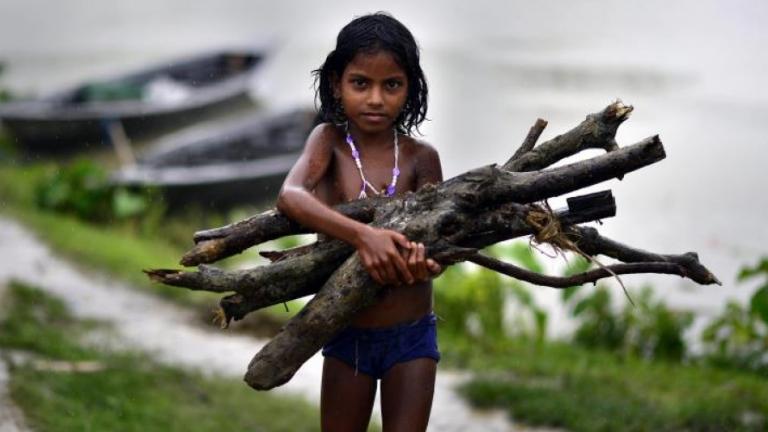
{"x": 377, "y": 248}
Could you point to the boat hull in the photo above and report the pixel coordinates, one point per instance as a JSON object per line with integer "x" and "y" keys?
{"x": 64, "y": 122}
{"x": 242, "y": 161}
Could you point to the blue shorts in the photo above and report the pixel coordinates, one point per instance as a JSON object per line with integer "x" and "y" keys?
{"x": 373, "y": 351}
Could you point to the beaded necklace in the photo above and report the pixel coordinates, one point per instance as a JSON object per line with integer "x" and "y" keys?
{"x": 365, "y": 183}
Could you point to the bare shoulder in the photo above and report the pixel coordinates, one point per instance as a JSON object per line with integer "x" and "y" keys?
{"x": 323, "y": 136}
{"x": 315, "y": 160}
{"x": 421, "y": 150}
{"x": 426, "y": 161}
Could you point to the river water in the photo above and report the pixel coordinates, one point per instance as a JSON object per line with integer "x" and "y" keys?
{"x": 692, "y": 69}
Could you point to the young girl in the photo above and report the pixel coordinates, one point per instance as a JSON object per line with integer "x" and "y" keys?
{"x": 372, "y": 95}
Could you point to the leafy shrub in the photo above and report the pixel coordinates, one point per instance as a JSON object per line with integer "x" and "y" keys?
{"x": 473, "y": 302}
{"x": 600, "y": 326}
{"x": 739, "y": 336}
{"x": 758, "y": 304}
{"x": 649, "y": 329}
{"x": 653, "y": 329}
{"x": 470, "y": 302}
{"x": 83, "y": 189}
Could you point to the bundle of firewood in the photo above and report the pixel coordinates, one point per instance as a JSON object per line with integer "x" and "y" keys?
{"x": 454, "y": 219}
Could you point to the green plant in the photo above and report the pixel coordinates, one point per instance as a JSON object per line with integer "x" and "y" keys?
{"x": 601, "y": 326}
{"x": 470, "y": 302}
{"x": 758, "y": 304}
{"x": 83, "y": 189}
{"x": 653, "y": 329}
{"x": 739, "y": 336}
{"x": 648, "y": 329}
{"x": 473, "y": 302}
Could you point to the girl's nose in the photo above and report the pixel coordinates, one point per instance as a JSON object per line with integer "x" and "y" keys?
{"x": 375, "y": 97}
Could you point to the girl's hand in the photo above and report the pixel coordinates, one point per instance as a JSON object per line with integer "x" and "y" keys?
{"x": 421, "y": 268}
{"x": 379, "y": 253}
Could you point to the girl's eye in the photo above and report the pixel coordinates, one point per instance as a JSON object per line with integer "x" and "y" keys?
{"x": 393, "y": 84}
{"x": 358, "y": 82}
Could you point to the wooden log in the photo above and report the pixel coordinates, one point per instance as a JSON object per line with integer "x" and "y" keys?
{"x": 218, "y": 243}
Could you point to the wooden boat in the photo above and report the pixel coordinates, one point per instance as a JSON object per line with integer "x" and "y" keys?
{"x": 222, "y": 164}
{"x": 145, "y": 102}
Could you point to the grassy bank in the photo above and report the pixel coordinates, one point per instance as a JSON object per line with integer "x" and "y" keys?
{"x": 561, "y": 385}
{"x": 111, "y": 247}
{"x": 122, "y": 248}
{"x": 124, "y": 391}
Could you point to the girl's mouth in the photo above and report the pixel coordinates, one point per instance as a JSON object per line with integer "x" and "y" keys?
{"x": 375, "y": 117}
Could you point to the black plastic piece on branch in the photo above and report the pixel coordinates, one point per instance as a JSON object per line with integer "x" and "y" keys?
{"x": 601, "y": 203}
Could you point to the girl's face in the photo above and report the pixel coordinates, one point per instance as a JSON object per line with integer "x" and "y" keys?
{"x": 373, "y": 90}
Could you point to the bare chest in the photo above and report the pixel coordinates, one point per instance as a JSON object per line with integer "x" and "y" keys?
{"x": 343, "y": 182}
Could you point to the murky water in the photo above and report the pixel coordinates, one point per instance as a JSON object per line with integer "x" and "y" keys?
{"x": 171, "y": 334}
{"x": 693, "y": 70}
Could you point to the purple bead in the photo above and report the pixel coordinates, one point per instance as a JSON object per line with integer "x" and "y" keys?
{"x": 395, "y": 171}
{"x": 355, "y": 154}
{"x": 349, "y": 140}
{"x": 390, "y": 190}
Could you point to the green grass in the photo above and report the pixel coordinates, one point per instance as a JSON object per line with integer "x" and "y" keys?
{"x": 35, "y": 322}
{"x": 115, "y": 247}
{"x": 560, "y": 385}
{"x": 121, "y": 248}
{"x": 132, "y": 392}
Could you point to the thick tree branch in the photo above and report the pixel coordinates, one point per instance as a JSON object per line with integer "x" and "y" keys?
{"x": 598, "y": 130}
{"x": 348, "y": 290}
{"x": 529, "y": 187}
{"x": 270, "y": 283}
{"x": 218, "y": 243}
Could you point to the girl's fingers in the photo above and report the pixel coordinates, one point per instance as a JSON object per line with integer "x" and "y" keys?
{"x": 409, "y": 258}
{"x": 401, "y": 240}
{"x": 423, "y": 258}
{"x": 401, "y": 266}
{"x": 421, "y": 268}
{"x": 433, "y": 266}
{"x": 399, "y": 269}
{"x": 390, "y": 274}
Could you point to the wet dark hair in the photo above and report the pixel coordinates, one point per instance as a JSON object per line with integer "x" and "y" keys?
{"x": 370, "y": 34}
